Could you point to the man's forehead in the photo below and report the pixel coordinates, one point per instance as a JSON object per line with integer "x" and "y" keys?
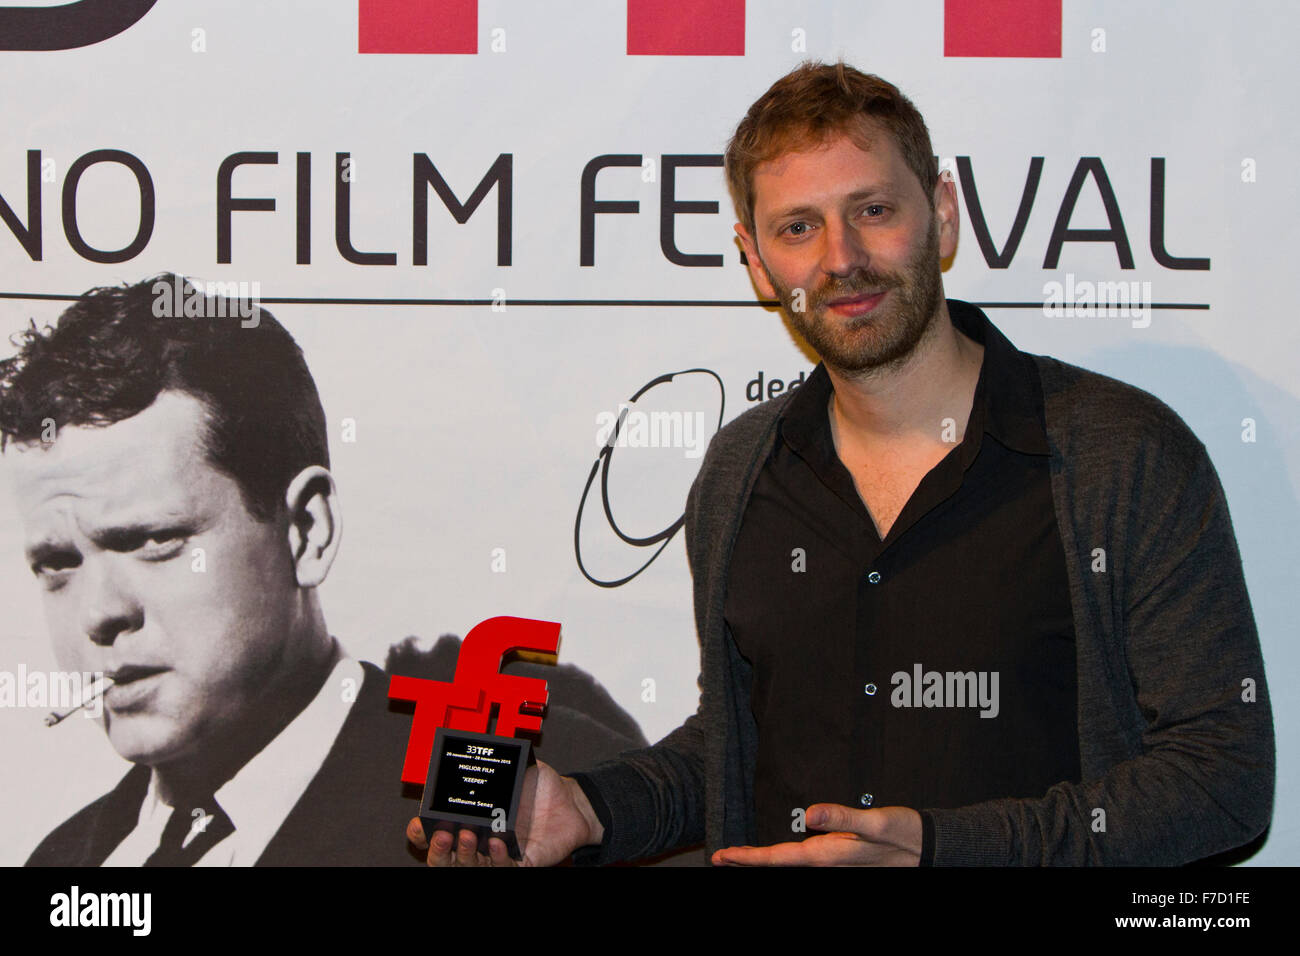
{"x": 868, "y": 134}
{"x": 157, "y": 453}
{"x": 840, "y": 159}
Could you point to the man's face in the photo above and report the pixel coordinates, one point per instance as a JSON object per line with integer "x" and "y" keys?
{"x": 847, "y": 240}
{"x": 114, "y": 519}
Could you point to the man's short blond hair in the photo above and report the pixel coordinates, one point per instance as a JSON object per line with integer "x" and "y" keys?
{"x": 813, "y": 102}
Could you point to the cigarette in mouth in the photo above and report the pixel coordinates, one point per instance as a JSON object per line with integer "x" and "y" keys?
{"x": 87, "y": 697}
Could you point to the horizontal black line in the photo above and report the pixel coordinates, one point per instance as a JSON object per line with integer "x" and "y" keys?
{"x": 670, "y": 303}
{"x": 1093, "y": 308}
{"x": 39, "y": 295}
{"x": 618, "y": 303}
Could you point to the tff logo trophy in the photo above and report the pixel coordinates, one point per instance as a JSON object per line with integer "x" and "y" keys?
{"x": 474, "y": 779}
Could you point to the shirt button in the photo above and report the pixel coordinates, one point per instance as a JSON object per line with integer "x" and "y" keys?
{"x": 865, "y": 799}
{"x": 874, "y": 577}
{"x": 870, "y": 690}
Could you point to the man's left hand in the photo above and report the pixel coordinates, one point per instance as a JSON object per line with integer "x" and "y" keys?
{"x": 887, "y": 836}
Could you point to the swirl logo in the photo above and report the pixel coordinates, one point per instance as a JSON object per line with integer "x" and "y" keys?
{"x": 661, "y": 432}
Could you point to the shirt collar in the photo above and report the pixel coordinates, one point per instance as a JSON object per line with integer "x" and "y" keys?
{"x": 1008, "y": 399}
{"x": 1013, "y": 396}
{"x": 260, "y": 796}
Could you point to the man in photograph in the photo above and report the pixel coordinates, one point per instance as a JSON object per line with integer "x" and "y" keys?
{"x": 171, "y": 469}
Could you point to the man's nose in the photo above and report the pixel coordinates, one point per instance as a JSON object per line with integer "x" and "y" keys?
{"x": 844, "y": 252}
{"x": 109, "y": 608}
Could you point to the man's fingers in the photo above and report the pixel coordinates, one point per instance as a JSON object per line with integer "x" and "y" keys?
{"x": 499, "y": 854}
{"x": 440, "y": 849}
{"x": 734, "y": 856}
{"x": 782, "y": 854}
{"x": 833, "y": 816}
{"x": 415, "y": 833}
{"x": 458, "y": 849}
{"x": 467, "y": 849}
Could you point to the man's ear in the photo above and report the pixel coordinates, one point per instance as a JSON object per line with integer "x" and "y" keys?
{"x": 945, "y": 208}
{"x": 756, "y": 270}
{"x": 315, "y": 525}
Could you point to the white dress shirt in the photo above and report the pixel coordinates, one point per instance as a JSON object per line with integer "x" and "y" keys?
{"x": 260, "y": 796}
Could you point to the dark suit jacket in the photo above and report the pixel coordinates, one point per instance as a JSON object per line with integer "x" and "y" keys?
{"x": 355, "y": 810}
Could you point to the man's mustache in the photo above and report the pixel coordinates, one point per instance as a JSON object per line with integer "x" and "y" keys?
{"x": 860, "y": 282}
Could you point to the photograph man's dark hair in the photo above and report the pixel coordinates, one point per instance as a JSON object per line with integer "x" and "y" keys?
{"x": 112, "y": 354}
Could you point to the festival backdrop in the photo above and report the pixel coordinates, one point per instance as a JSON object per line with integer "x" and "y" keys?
{"x": 499, "y": 227}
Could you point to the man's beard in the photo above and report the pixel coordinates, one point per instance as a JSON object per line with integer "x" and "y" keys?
{"x": 885, "y": 336}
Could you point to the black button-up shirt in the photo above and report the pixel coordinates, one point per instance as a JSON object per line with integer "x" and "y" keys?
{"x": 935, "y": 667}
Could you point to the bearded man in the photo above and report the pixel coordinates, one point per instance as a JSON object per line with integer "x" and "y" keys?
{"x": 957, "y": 604}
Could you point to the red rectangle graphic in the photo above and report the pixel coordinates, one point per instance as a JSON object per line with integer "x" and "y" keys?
{"x": 417, "y": 26}
{"x": 686, "y": 27}
{"x": 1012, "y": 28}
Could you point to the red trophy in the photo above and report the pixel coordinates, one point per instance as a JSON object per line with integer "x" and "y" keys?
{"x": 472, "y": 771}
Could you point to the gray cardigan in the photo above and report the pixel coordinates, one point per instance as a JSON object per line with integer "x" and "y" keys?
{"x": 1175, "y": 732}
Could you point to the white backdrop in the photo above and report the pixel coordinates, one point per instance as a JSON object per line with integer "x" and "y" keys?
{"x": 475, "y": 428}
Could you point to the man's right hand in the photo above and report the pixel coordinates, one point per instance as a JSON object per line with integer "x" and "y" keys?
{"x": 555, "y": 819}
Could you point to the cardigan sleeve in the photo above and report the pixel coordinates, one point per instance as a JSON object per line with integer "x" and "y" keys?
{"x": 1186, "y": 682}
{"x": 653, "y": 799}
{"x": 696, "y": 783}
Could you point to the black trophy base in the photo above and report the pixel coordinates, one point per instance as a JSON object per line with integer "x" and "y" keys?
{"x": 475, "y": 782}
